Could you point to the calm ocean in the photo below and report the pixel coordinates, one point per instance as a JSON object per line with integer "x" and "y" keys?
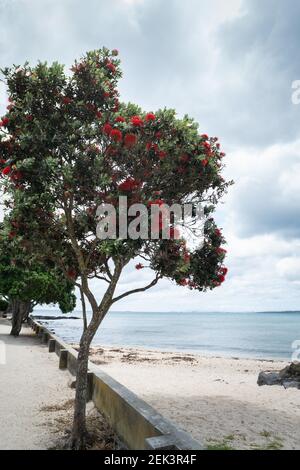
{"x": 253, "y": 335}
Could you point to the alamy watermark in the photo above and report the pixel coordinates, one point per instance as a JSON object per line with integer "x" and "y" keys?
{"x": 154, "y": 221}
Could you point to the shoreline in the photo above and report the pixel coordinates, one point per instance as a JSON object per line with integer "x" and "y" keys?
{"x": 187, "y": 352}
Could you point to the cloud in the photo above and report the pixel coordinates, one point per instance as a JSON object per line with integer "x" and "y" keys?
{"x": 266, "y": 195}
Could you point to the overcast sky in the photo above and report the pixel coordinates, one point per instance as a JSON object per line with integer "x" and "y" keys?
{"x": 230, "y": 65}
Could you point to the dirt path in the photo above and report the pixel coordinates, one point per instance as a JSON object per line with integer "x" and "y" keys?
{"x": 29, "y": 381}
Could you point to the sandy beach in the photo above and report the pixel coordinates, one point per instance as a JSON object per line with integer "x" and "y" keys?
{"x": 217, "y": 400}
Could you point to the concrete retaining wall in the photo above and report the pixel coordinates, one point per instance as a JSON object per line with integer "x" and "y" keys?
{"x": 136, "y": 423}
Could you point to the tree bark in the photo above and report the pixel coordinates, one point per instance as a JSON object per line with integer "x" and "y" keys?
{"x": 84, "y": 317}
{"x": 20, "y": 310}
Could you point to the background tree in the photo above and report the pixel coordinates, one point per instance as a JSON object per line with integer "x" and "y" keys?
{"x": 3, "y": 305}
{"x": 67, "y": 146}
{"x": 25, "y": 283}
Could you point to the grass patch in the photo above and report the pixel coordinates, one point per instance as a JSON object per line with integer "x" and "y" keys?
{"x": 273, "y": 443}
{"x": 224, "y": 444}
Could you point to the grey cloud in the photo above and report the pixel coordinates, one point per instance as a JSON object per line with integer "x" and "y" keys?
{"x": 258, "y": 53}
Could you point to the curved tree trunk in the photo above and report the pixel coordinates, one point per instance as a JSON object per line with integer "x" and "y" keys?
{"x": 20, "y": 310}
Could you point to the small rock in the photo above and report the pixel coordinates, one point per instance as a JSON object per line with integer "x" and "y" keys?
{"x": 268, "y": 378}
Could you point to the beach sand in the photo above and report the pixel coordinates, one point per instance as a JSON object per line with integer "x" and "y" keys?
{"x": 217, "y": 400}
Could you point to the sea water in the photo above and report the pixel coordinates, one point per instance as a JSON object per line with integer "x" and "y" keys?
{"x": 264, "y": 335}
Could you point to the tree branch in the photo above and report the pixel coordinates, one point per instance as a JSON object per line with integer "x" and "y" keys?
{"x": 135, "y": 291}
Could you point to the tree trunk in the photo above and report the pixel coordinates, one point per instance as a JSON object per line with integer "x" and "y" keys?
{"x": 27, "y": 312}
{"x": 20, "y": 310}
{"x": 84, "y": 317}
{"x": 79, "y": 436}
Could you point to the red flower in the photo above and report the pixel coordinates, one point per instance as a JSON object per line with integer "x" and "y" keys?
{"x": 128, "y": 185}
{"x": 218, "y": 233}
{"x": 205, "y": 136}
{"x": 183, "y": 282}
{"x": 130, "y": 140}
{"x": 221, "y": 251}
{"x": 110, "y": 66}
{"x": 204, "y": 162}
{"x": 72, "y": 273}
{"x": 4, "y": 122}
{"x": 150, "y": 146}
{"x": 224, "y": 271}
{"x": 116, "y": 135}
{"x": 162, "y": 155}
{"x": 6, "y": 170}
{"x": 136, "y": 121}
{"x": 216, "y": 283}
{"x": 187, "y": 257}
{"x": 17, "y": 175}
{"x": 158, "y": 135}
{"x": 150, "y": 117}
{"x": 12, "y": 235}
{"x": 120, "y": 119}
{"x": 184, "y": 158}
{"x": 90, "y": 106}
{"x": 222, "y": 154}
{"x": 29, "y": 117}
{"x": 98, "y": 114}
{"x": 107, "y": 128}
{"x": 221, "y": 278}
{"x": 66, "y": 100}
{"x": 139, "y": 266}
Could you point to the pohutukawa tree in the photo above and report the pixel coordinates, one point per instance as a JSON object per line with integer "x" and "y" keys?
{"x": 25, "y": 282}
{"x": 69, "y": 146}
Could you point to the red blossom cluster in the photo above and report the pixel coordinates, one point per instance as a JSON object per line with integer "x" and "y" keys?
{"x": 130, "y": 184}
{"x": 4, "y": 122}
